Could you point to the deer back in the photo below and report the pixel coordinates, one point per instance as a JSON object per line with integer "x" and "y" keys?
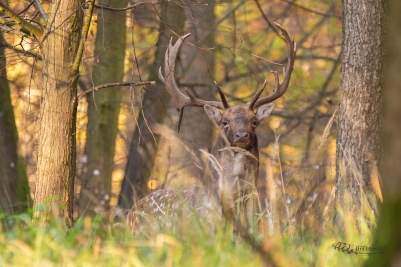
{"x": 168, "y": 208}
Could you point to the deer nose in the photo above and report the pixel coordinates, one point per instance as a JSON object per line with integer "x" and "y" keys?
{"x": 241, "y": 135}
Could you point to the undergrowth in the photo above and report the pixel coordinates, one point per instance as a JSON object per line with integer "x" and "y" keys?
{"x": 302, "y": 236}
{"x": 93, "y": 243}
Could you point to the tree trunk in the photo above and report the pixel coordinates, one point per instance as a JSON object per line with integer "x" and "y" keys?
{"x": 360, "y": 109}
{"x": 388, "y": 231}
{"x": 14, "y": 189}
{"x": 103, "y": 110}
{"x": 196, "y": 130}
{"x": 143, "y": 149}
{"x": 56, "y": 143}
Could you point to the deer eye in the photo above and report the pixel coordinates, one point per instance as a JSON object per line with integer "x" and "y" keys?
{"x": 225, "y": 123}
{"x": 254, "y": 123}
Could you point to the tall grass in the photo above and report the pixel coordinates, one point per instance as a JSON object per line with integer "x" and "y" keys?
{"x": 298, "y": 235}
{"x": 93, "y": 243}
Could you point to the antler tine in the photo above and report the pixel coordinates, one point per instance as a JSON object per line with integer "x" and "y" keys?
{"x": 222, "y": 96}
{"x": 180, "y": 100}
{"x": 251, "y": 103}
{"x": 280, "y": 89}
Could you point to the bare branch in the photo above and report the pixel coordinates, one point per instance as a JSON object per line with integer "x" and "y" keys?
{"x": 321, "y": 97}
{"x": 4, "y": 44}
{"x": 34, "y": 31}
{"x": 41, "y": 10}
{"x": 26, "y": 8}
{"x": 268, "y": 20}
{"x": 12, "y": 27}
{"x": 84, "y": 35}
{"x": 106, "y": 85}
{"x": 204, "y": 38}
{"x": 135, "y": 6}
{"x": 311, "y": 10}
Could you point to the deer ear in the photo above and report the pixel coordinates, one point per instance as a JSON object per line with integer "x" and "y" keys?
{"x": 213, "y": 113}
{"x": 264, "y": 111}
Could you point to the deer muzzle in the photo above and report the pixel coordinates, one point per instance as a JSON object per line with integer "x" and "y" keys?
{"x": 242, "y": 138}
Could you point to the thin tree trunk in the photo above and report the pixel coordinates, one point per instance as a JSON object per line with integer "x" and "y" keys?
{"x": 56, "y": 143}
{"x": 360, "y": 109}
{"x": 143, "y": 149}
{"x": 14, "y": 189}
{"x": 103, "y": 110}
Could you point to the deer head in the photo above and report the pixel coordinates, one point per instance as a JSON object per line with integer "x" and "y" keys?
{"x": 221, "y": 111}
{"x": 238, "y": 123}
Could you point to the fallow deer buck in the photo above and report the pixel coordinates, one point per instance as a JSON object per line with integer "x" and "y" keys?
{"x": 233, "y": 167}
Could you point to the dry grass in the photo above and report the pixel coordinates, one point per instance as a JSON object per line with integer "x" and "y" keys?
{"x": 294, "y": 227}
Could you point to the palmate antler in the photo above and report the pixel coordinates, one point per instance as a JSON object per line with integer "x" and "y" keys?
{"x": 181, "y": 101}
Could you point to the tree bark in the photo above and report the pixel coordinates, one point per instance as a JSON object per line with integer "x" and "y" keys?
{"x": 143, "y": 149}
{"x": 103, "y": 110}
{"x": 14, "y": 189}
{"x": 56, "y": 143}
{"x": 360, "y": 108}
{"x": 388, "y": 231}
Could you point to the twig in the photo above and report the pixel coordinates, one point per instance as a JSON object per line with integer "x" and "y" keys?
{"x": 26, "y": 8}
{"x": 320, "y": 98}
{"x": 204, "y": 38}
{"x": 268, "y": 20}
{"x": 33, "y": 54}
{"x": 33, "y": 30}
{"x": 311, "y": 10}
{"x": 135, "y": 6}
{"x": 316, "y": 26}
{"x": 106, "y": 85}
{"x": 41, "y": 10}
